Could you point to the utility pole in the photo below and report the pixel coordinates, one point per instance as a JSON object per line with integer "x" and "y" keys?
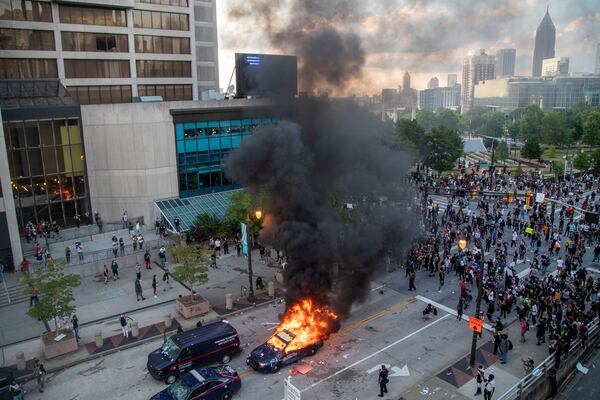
{"x": 479, "y": 296}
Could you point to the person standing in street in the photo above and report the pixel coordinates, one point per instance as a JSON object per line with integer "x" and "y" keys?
{"x": 490, "y": 387}
{"x": 479, "y": 379}
{"x": 115, "y": 270}
{"x": 147, "y": 259}
{"x": 154, "y": 286}
{"x": 125, "y": 219}
{"x": 460, "y": 308}
{"x": 138, "y": 290}
{"x": 75, "y": 323}
{"x": 33, "y": 296}
{"x": 162, "y": 255}
{"x": 79, "y": 248}
{"x": 40, "y": 375}
{"x": 105, "y": 274}
{"x": 166, "y": 280}
{"x": 123, "y": 322}
{"x": 68, "y": 254}
{"x": 138, "y": 271}
{"x": 411, "y": 280}
{"x": 503, "y": 349}
{"x": 140, "y": 241}
{"x": 383, "y": 380}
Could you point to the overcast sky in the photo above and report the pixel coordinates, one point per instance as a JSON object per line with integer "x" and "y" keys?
{"x": 426, "y": 37}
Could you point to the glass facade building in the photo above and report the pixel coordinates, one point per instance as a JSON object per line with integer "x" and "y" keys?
{"x": 203, "y": 146}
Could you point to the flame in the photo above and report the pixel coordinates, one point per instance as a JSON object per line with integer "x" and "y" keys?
{"x": 302, "y": 325}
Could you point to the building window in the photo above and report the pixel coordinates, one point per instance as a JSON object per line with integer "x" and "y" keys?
{"x": 85, "y": 69}
{"x": 167, "y": 92}
{"x": 28, "y": 68}
{"x": 176, "y": 3}
{"x": 203, "y": 146}
{"x": 160, "y": 20}
{"x": 203, "y": 13}
{"x": 162, "y": 44}
{"x": 205, "y": 53}
{"x": 107, "y": 94}
{"x": 26, "y": 39}
{"x": 25, "y": 10}
{"x": 92, "y": 16}
{"x": 159, "y": 68}
{"x": 47, "y": 170}
{"x": 206, "y": 73}
{"x": 85, "y": 41}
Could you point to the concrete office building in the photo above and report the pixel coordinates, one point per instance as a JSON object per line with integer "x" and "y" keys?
{"x": 110, "y": 51}
{"x": 555, "y": 66}
{"x": 476, "y": 68}
{"x": 505, "y": 62}
{"x": 452, "y": 79}
{"x": 545, "y": 38}
{"x": 389, "y": 102}
{"x": 558, "y": 92}
{"x": 433, "y": 83}
{"x": 440, "y": 97}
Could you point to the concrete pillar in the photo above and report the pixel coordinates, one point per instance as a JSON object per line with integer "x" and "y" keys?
{"x": 271, "y": 288}
{"x": 98, "y": 337}
{"x": 21, "y": 365}
{"x": 228, "y": 302}
{"x": 168, "y": 320}
{"x": 135, "y": 330}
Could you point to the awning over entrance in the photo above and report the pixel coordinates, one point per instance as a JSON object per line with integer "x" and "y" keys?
{"x": 189, "y": 208}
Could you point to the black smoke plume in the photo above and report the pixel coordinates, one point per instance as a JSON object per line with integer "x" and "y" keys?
{"x": 320, "y": 158}
{"x": 316, "y": 32}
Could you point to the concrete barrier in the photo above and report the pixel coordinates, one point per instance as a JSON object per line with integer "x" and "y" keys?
{"x": 228, "y": 301}
{"x": 135, "y": 329}
{"x": 168, "y": 320}
{"x": 98, "y": 338}
{"x": 271, "y": 289}
{"x": 21, "y": 364}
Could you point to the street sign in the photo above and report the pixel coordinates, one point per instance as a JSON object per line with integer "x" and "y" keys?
{"x": 475, "y": 324}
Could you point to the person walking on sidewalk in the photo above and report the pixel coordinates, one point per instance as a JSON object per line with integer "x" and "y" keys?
{"x": 383, "y": 380}
{"x": 503, "y": 349}
{"x": 162, "y": 255}
{"x": 115, "y": 270}
{"x": 68, "y": 254}
{"x": 147, "y": 259}
{"x": 140, "y": 241}
{"x": 33, "y": 296}
{"x": 123, "y": 322}
{"x": 40, "y": 375}
{"x": 122, "y": 246}
{"x": 125, "y": 219}
{"x": 75, "y": 323}
{"x": 154, "y": 286}
{"x": 79, "y": 248}
{"x": 460, "y": 308}
{"x": 138, "y": 290}
{"x": 15, "y": 390}
{"x": 105, "y": 273}
{"x": 490, "y": 387}
{"x": 479, "y": 379}
{"x": 411, "y": 280}
{"x": 134, "y": 241}
{"x": 166, "y": 280}
{"x": 138, "y": 271}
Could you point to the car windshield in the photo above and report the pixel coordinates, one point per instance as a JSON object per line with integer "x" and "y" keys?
{"x": 170, "y": 349}
{"x": 179, "y": 391}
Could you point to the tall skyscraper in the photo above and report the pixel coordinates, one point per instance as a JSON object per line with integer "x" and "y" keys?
{"x": 545, "y": 37}
{"x": 433, "y": 83}
{"x": 555, "y": 66}
{"x": 476, "y": 69}
{"x": 505, "y": 62}
{"x": 406, "y": 81}
{"x": 452, "y": 80}
{"x": 598, "y": 59}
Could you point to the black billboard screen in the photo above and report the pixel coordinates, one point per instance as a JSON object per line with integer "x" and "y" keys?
{"x": 265, "y": 75}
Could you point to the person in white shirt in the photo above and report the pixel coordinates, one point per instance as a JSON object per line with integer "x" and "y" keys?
{"x": 490, "y": 387}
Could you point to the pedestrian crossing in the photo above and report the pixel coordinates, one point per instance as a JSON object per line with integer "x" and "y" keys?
{"x": 441, "y": 201}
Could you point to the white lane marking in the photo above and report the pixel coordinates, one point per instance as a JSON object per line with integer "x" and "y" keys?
{"x": 377, "y": 352}
{"x": 593, "y": 269}
{"x": 378, "y": 287}
{"x": 400, "y": 371}
{"x": 376, "y": 367}
{"x": 449, "y": 310}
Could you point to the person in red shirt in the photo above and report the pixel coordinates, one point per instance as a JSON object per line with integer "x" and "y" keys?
{"x": 25, "y": 266}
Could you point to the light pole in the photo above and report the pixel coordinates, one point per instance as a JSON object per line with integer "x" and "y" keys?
{"x": 258, "y": 215}
{"x": 478, "y": 304}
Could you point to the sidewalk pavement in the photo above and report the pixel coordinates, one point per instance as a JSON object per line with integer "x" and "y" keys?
{"x": 98, "y": 306}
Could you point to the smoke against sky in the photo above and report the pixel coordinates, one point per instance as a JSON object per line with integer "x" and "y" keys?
{"x": 323, "y": 155}
{"x": 426, "y": 37}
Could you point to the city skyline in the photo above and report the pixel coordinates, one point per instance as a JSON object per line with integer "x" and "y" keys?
{"x": 426, "y": 52}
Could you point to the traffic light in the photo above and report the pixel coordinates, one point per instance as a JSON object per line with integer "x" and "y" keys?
{"x": 473, "y": 195}
{"x": 527, "y": 199}
{"x": 509, "y": 198}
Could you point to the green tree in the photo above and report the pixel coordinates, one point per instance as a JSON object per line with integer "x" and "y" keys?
{"x": 591, "y": 129}
{"x": 427, "y": 119}
{"x": 530, "y": 122}
{"x": 206, "y": 226}
{"x": 493, "y": 124}
{"x": 554, "y": 130}
{"x": 472, "y": 120}
{"x": 441, "y": 148}
{"x": 55, "y": 292}
{"x": 596, "y": 160}
{"x": 447, "y": 118}
{"x": 241, "y": 204}
{"x": 582, "y": 161}
{"x": 531, "y": 149}
{"x": 502, "y": 151}
{"x": 558, "y": 167}
{"x": 194, "y": 262}
{"x": 552, "y": 152}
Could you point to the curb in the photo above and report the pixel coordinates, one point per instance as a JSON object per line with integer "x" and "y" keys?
{"x": 27, "y": 378}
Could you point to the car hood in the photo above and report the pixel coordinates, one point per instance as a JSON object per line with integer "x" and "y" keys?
{"x": 158, "y": 360}
{"x": 265, "y": 353}
{"x": 163, "y": 395}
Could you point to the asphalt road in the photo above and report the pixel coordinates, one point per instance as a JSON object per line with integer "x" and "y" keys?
{"x": 584, "y": 386}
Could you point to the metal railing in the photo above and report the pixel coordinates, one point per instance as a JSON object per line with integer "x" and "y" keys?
{"x": 539, "y": 372}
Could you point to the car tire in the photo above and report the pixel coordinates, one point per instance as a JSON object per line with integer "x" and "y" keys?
{"x": 170, "y": 378}
{"x": 276, "y": 367}
{"x": 226, "y": 358}
{"x": 313, "y": 351}
{"x": 227, "y": 395}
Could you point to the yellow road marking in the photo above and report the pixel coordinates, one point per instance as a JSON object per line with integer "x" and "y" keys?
{"x": 249, "y": 371}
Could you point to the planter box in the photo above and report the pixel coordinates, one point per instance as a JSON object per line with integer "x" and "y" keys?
{"x": 191, "y": 308}
{"x": 53, "y": 348}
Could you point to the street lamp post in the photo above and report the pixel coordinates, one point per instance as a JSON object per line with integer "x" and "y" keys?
{"x": 258, "y": 214}
{"x": 478, "y": 304}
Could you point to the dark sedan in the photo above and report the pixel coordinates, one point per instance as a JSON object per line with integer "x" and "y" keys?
{"x": 211, "y": 383}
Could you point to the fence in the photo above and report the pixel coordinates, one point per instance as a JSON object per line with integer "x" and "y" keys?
{"x": 290, "y": 391}
{"x": 529, "y": 384}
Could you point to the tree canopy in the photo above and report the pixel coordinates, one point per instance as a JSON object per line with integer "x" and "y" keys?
{"x": 194, "y": 262}
{"x": 441, "y": 148}
{"x": 532, "y": 149}
{"x": 591, "y": 129}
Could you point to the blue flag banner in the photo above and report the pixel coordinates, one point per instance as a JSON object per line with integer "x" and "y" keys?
{"x": 244, "y": 239}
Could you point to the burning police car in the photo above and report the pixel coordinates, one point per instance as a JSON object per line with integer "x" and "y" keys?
{"x": 279, "y": 351}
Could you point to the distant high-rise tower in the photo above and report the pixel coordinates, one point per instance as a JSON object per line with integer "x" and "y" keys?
{"x": 476, "y": 69}
{"x": 598, "y": 59}
{"x": 406, "y": 81}
{"x": 452, "y": 80}
{"x": 505, "y": 62}
{"x": 433, "y": 83}
{"x": 555, "y": 66}
{"x": 545, "y": 37}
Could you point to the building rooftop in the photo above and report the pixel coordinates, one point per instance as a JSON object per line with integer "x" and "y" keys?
{"x": 27, "y": 93}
